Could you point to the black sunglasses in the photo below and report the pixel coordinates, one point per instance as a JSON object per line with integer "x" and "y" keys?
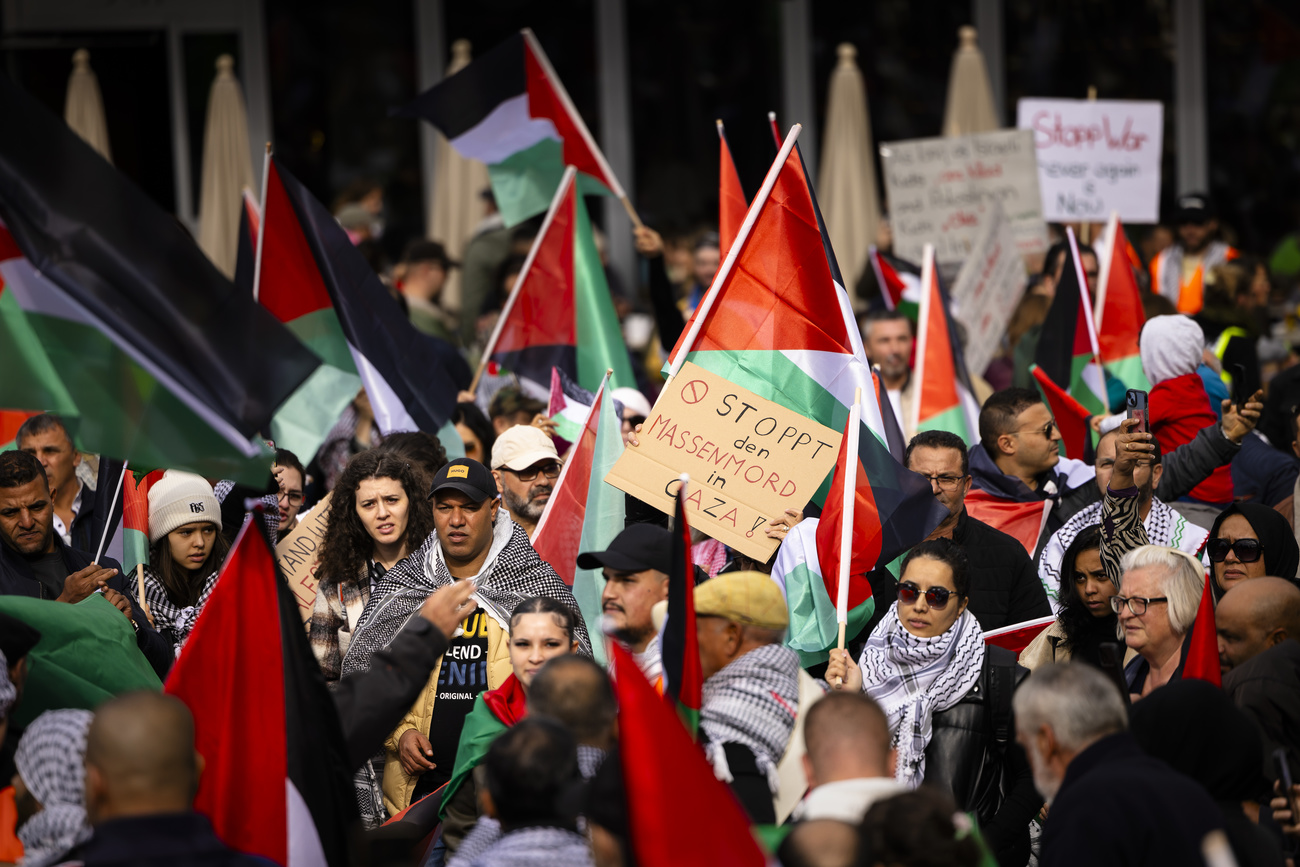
{"x": 935, "y": 597}
{"x": 1247, "y": 550}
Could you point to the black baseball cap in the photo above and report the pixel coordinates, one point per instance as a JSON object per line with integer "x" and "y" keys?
{"x": 467, "y": 476}
{"x": 1194, "y": 208}
{"x": 637, "y": 548}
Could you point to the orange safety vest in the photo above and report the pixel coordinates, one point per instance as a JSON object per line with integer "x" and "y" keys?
{"x": 1191, "y": 292}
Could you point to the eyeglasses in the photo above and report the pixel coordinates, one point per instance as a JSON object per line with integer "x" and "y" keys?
{"x": 946, "y": 483}
{"x": 1045, "y": 430}
{"x": 1247, "y": 550}
{"x": 294, "y": 497}
{"x": 1137, "y": 605}
{"x": 935, "y": 597}
{"x": 551, "y": 471}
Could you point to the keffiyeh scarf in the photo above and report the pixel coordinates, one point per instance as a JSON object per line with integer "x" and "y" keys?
{"x": 512, "y": 573}
{"x": 8, "y": 692}
{"x": 169, "y": 618}
{"x": 537, "y": 847}
{"x": 752, "y": 701}
{"x": 50, "y": 759}
{"x": 913, "y": 678}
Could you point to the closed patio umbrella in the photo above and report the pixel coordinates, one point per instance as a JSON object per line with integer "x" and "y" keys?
{"x": 970, "y": 97}
{"x": 83, "y": 109}
{"x": 227, "y": 168}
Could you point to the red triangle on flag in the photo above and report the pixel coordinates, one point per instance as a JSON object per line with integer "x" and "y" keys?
{"x": 289, "y": 284}
{"x": 559, "y": 531}
{"x": 731, "y": 198}
{"x": 1120, "y": 315}
{"x": 867, "y": 537}
{"x": 679, "y": 813}
{"x": 1071, "y": 417}
{"x": 1203, "y": 654}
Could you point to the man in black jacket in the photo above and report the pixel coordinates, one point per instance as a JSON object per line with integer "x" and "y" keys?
{"x": 1110, "y": 803}
{"x": 35, "y": 562}
{"x": 1004, "y": 589}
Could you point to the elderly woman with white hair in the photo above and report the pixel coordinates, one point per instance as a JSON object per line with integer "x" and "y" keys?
{"x": 1157, "y": 602}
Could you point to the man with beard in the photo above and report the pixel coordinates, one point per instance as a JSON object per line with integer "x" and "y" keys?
{"x": 1178, "y": 272}
{"x": 525, "y": 465}
{"x": 887, "y": 339}
{"x": 1110, "y": 803}
{"x": 636, "y": 577}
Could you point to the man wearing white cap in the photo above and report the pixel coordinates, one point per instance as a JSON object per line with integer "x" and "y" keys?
{"x": 525, "y": 465}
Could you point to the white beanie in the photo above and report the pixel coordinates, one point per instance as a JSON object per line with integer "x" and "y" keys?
{"x": 178, "y": 499}
{"x": 1171, "y": 346}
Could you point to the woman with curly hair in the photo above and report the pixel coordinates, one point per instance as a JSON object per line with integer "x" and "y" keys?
{"x": 1086, "y": 620}
{"x": 377, "y": 517}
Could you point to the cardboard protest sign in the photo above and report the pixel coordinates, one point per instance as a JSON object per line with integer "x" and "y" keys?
{"x": 1095, "y": 157}
{"x": 940, "y": 188}
{"x": 749, "y": 459}
{"x": 988, "y": 288}
{"x": 297, "y": 554}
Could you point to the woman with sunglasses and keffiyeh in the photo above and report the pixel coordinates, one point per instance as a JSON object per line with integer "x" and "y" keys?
{"x": 947, "y": 696}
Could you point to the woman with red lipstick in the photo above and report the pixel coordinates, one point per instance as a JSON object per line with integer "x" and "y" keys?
{"x": 947, "y": 696}
{"x": 186, "y": 550}
{"x": 378, "y": 516}
{"x": 1086, "y": 620}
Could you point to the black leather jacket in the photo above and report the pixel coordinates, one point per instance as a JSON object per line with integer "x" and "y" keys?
{"x": 973, "y": 756}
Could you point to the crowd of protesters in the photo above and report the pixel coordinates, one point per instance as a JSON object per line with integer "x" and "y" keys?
{"x": 919, "y": 743}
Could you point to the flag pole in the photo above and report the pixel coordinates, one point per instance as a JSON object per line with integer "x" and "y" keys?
{"x": 846, "y": 518}
{"x": 751, "y": 217}
{"x": 1105, "y": 256}
{"x": 108, "y": 521}
{"x": 261, "y": 224}
{"x": 560, "y": 193}
{"x": 1083, "y": 291}
{"x": 776, "y": 131}
{"x": 922, "y": 329}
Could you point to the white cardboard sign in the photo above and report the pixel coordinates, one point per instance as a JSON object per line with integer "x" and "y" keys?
{"x": 1095, "y": 157}
{"x": 988, "y": 288}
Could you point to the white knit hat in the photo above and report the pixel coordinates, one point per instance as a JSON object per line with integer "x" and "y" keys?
{"x": 1170, "y": 347}
{"x": 178, "y": 499}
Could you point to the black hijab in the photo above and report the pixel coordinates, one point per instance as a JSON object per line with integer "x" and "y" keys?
{"x": 1281, "y": 554}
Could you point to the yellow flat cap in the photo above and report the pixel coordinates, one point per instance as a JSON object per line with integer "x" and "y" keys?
{"x": 751, "y": 598}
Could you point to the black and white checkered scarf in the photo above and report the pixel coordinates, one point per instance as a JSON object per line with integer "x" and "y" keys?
{"x": 512, "y": 573}
{"x": 537, "y": 847}
{"x": 912, "y": 678}
{"x": 170, "y": 619}
{"x": 752, "y": 701}
{"x": 50, "y": 759}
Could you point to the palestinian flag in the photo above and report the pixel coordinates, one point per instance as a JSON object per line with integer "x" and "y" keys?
{"x": 584, "y": 513}
{"x": 494, "y": 711}
{"x": 1067, "y": 350}
{"x": 893, "y": 429}
{"x": 508, "y": 109}
{"x": 568, "y": 407}
{"x": 780, "y": 324}
{"x": 276, "y": 779}
{"x": 669, "y": 784}
{"x": 1120, "y": 316}
{"x": 1071, "y": 417}
{"x": 87, "y": 654}
{"x": 313, "y": 279}
{"x": 135, "y": 522}
{"x": 683, "y": 679}
{"x": 1023, "y": 522}
{"x": 731, "y": 198}
{"x": 560, "y": 313}
{"x": 899, "y": 289}
{"x": 945, "y": 399}
{"x": 143, "y": 341}
{"x": 1203, "y": 655}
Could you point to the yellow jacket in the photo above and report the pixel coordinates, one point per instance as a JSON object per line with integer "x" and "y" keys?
{"x": 397, "y": 785}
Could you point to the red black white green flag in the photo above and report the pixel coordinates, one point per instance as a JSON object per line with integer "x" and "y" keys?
{"x": 683, "y": 678}
{"x": 1067, "y": 350}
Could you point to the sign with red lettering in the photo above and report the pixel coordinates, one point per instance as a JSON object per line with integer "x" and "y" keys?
{"x": 940, "y": 189}
{"x": 748, "y": 459}
{"x": 1095, "y": 157}
{"x": 298, "y": 552}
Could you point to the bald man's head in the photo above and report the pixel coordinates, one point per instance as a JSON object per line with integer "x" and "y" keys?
{"x": 140, "y": 757}
{"x": 576, "y": 693}
{"x": 847, "y": 738}
{"x": 1255, "y": 615}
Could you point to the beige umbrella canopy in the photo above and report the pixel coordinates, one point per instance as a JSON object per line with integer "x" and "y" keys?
{"x": 84, "y": 107}
{"x": 457, "y": 182}
{"x": 970, "y": 98}
{"x": 846, "y": 179}
{"x": 227, "y": 168}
